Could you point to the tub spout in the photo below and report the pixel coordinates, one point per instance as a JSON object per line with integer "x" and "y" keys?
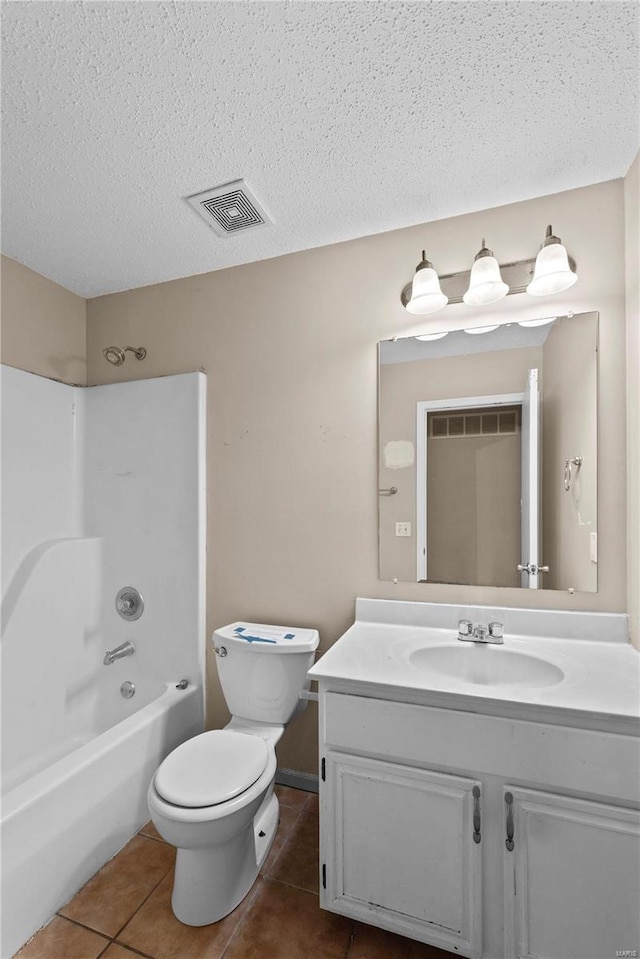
{"x": 124, "y": 649}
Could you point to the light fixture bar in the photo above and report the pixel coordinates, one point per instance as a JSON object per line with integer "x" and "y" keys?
{"x": 517, "y": 275}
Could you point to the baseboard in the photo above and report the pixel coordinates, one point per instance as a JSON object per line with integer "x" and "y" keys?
{"x": 290, "y": 777}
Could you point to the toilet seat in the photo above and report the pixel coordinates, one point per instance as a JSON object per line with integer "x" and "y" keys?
{"x": 211, "y": 768}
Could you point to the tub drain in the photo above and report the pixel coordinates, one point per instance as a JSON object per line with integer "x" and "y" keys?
{"x": 127, "y": 690}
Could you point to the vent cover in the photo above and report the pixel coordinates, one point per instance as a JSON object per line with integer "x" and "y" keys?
{"x": 484, "y": 422}
{"x": 230, "y": 209}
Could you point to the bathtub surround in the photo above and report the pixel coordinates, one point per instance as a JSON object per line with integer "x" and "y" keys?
{"x": 102, "y": 488}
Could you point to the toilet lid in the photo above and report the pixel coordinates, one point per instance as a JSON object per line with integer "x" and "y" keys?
{"x": 211, "y": 768}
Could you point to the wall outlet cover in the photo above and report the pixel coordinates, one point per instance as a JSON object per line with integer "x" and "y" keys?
{"x": 403, "y": 529}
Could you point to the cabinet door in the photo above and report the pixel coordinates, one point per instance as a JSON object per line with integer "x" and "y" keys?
{"x": 572, "y": 878}
{"x": 399, "y": 851}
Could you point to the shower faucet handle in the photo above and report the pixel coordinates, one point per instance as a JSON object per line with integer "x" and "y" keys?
{"x": 129, "y": 603}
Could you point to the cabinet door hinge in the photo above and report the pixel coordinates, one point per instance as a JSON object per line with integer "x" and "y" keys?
{"x": 324, "y": 875}
{"x": 323, "y": 770}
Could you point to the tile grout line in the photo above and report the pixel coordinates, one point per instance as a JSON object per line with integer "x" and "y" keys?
{"x": 352, "y": 936}
{"x": 105, "y": 935}
{"x": 292, "y": 885}
{"x": 291, "y": 830}
{"x": 146, "y": 898}
{"x": 109, "y": 940}
{"x": 133, "y": 950}
{"x": 75, "y": 922}
{"x": 253, "y": 895}
{"x": 153, "y": 838}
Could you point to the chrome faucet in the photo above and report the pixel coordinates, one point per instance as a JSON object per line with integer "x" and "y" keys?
{"x": 470, "y": 632}
{"x": 124, "y": 649}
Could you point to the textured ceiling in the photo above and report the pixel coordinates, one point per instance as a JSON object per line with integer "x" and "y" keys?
{"x": 346, "y": 119}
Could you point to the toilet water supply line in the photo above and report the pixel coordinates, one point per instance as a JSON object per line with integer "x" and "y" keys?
{"x": 309, "y": 694}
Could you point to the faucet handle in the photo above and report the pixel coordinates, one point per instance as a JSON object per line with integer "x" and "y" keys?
{"x": 465, "y": 627}
{"x": 496, "y": 630}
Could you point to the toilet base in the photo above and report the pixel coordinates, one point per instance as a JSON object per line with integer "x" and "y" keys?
{"x": 211, "y": 881}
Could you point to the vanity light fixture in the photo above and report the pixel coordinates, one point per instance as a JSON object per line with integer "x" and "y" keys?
{"x": 553, "y": 273}
{"x": 426, "y": 295}
{"x": 486, "y": 285}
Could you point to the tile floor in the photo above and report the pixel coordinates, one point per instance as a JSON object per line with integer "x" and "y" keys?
{"x": 124, "y": 911}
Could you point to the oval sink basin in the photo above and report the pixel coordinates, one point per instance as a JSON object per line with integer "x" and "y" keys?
{"x": 486, "y": 665}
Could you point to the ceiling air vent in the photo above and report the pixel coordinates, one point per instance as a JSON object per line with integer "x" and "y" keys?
{"x": 231, "y": 208}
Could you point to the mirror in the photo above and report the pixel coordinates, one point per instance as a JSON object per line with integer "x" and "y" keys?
{"x": 487, "y": 456}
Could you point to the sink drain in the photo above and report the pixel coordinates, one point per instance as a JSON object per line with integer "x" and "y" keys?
{"x": 127, "y": 690}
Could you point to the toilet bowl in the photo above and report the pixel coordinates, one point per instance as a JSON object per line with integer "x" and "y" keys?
{"x": 213, "y": 796}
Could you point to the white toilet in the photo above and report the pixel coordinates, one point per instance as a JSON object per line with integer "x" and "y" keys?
{"x": 212, "y": 797}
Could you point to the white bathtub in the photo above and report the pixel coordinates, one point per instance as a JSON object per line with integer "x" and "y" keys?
{"x": 102, "y": 488}
{"x": 62, "y": 824}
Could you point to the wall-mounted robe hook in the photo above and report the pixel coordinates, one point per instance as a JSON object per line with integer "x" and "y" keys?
{"x": 568, "y": 470}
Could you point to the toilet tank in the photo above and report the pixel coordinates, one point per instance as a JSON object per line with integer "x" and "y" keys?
{"x": 263, "y": 669}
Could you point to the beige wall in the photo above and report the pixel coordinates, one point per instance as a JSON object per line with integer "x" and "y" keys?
{"x": 402, "y": 386}
{"x": 289, "y": 346}
{"x": 569, "y": 418}
{"x": 632, "y": 246}
{"x": 43, "y": 325}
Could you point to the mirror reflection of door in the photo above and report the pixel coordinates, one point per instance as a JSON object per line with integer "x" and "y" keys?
{"x": 531, "y": 506}
{"x": 472, "y": 487}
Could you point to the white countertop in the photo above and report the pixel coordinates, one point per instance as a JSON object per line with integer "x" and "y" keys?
{"x": 600, "y": 688}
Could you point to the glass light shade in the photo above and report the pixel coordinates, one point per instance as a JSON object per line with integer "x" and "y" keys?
{"x": 482, "y": 329}
{"x": 426, "y": 295}
{"x": 426, "y": 337}
{"x": 552, "y": 272}
{"x": 486, "y": 286}
{"x": 542, "y": 322}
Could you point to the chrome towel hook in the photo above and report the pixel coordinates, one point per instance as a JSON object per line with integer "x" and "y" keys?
{"x": 568, "y": 471}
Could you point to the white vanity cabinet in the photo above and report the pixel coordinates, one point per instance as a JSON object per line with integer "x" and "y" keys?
{"x": 571, "y": 879}
{"x": 400, "y": 850}
{"x": 490, "y": 837}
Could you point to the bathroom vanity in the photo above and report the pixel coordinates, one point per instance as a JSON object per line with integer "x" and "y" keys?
{"x": 483, "y": 798}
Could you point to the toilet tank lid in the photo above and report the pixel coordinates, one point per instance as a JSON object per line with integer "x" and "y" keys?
{"x": 269, "y": 639}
